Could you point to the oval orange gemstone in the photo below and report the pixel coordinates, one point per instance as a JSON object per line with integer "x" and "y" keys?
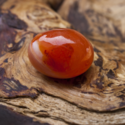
{"x": 61, "y": 53}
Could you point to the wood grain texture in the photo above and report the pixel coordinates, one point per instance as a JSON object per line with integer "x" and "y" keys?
{"x": 105, "y": 30}
{"x": 95, "y": 97}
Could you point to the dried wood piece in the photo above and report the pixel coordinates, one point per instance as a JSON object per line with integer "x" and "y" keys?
{"x": 101, "y": 88}
{"x": 105, "y": 31}
{"x": 97, "y": 89}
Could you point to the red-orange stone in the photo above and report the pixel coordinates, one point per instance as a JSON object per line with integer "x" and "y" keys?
{"x": 61, "y": 53}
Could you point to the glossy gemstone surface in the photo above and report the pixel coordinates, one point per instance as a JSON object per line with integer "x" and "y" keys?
{"x": 61, "y": 53}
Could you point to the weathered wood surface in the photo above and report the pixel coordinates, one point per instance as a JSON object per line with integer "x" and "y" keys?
{"x": 86, "y": 99}
{"x": 102, "y": 22}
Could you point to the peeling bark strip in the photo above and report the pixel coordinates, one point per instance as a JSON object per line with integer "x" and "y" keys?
{"x": 9, "y": 117}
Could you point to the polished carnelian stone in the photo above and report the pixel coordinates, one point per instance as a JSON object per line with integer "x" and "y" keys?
{"x": 61, "y": 53}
